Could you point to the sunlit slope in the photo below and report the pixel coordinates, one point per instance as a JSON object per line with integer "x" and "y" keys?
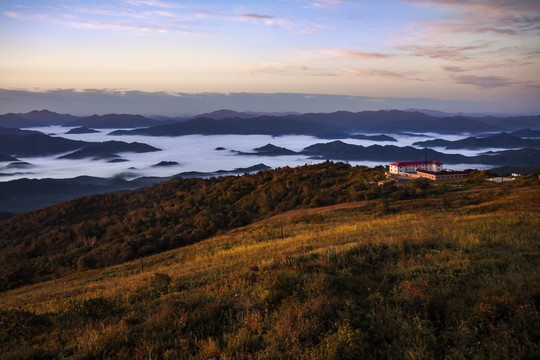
{"x": 102, "y": 230}
{"x": 455, "y": 275}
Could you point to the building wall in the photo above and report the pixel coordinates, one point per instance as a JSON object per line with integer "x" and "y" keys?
{"x": 400, "y": 169}
{"x": 412, "y": 168}
{"x": 448, "y": 176}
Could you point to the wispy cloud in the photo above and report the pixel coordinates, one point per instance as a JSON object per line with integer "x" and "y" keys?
{"x": 326, "y": 4}
{"x": 274, "y": 67}
{"x": 453, "y": 68}
{"x": 25, "y": 15}
{"x": 287, "y": 69}
{"x": 154, "y": 3}
{"x": 252, "y": 16}
{"x": 483, "y": 82}
{"x": 297, "y": 26}
{"x": 437, "y": 51}
{"x": 384, "y": 74}
{"x": 484, "y": 66}
{"x": 351, "y": 54}
{"x": 113, "y": 18}
{"x": 114, "y": 25}
{"x": 154, "y": 15}
{"x": 509, "y": 17}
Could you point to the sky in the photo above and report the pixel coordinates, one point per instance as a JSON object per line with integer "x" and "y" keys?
{"x": 168, "y": 57}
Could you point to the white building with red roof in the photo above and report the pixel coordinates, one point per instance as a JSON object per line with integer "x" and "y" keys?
{"x": 413, "y": 166}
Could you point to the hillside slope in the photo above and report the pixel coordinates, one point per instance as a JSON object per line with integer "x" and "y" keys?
{"x": 452, "y": 276}
{"x": 102, "y": 230}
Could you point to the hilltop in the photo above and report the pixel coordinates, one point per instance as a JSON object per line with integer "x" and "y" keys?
{"x": 423, "y": 271}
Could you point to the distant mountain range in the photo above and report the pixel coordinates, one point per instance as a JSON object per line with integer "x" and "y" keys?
{"x": 46, "y": 117}
{"x": 233, "y": 122}
{"x": 452, "y": 114}
{"x": 339, "y": 150}
{"x": 23, "y": 195}
{"x": 527, "y": 133}
{"x": 339, "y": 124}
{"x": 113, "y": 121}
{"x": 502, "y": 140}
{"x": 269, "y": 125}
{"x": 35, "y": 119}
{"x": 224, "y": 114}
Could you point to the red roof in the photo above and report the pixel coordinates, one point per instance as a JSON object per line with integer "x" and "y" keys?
{"x": 405, "y": 163}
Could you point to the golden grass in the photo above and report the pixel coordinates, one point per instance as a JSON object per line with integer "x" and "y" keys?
{"x": 334, "y": 230}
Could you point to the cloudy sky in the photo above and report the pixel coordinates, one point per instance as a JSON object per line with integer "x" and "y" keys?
{"x": 482, "y": 55}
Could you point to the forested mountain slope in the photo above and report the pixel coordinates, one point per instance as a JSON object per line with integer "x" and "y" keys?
{"x": 452, "y": 275}
{"x": 102, "y": 230}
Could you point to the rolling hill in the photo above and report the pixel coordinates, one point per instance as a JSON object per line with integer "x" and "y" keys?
{"x": 167, "y": 215}
{"x": 32, "y": 143}
{"x": 108, "y": 149}
{"x": 17, "y": 121}
{"x": 339, "y": 150}
{"x": 36, "y": 144}
{"x": 423, "y": 271}
{"x": 82, "y": 130}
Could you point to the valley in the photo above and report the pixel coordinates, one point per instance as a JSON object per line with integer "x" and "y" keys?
{"x": 69, "y": 150}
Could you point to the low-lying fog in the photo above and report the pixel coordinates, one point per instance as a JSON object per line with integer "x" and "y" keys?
{"x": 193, "y": 153}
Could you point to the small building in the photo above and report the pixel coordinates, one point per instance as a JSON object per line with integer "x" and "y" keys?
{"x": 443, "y": 174}
{"x": 413, "y": 166}
{"x": 425, "y": 169}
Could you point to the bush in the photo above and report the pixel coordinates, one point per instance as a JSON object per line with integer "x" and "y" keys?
{"x": 160, "y": 283}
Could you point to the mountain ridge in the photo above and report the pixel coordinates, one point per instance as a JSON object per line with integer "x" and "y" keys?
{"x": 501, "y": 140}
{"x": 368, "y": 121}
{"x": 112, "y": 121}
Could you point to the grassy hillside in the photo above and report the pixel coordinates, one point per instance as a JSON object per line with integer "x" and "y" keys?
{"x": 452, "y": 276}
{"x": 108, "y": 229}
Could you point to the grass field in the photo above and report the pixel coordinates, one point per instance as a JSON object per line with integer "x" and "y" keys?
{"x": 453, "y": 276}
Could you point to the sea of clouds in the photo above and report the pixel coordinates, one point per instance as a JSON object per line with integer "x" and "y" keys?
{"x": 193, "y": 153}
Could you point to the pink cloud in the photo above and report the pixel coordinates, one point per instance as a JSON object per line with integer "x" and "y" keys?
{"x": 153, "y": 3}
{"x": 486, "y": 65}
{"x": 383, "y": 74}
{"x": 508, "y": 17}
{"x": 354, "y": 54}
{"x": 287, "y": 69}
{"x": 442, "y": 51}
